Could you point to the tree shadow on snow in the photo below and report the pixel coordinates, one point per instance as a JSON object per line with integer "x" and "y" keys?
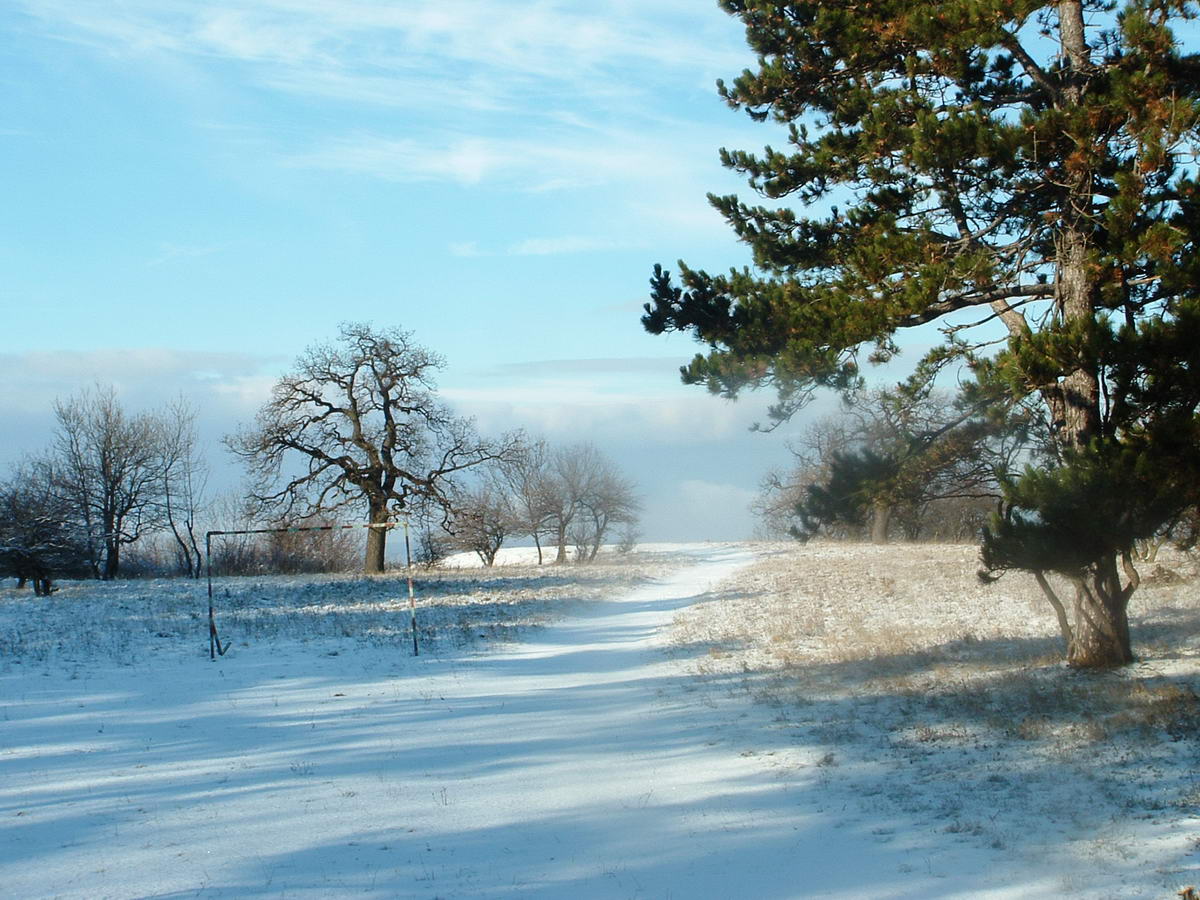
{"x": 281, "y": 770}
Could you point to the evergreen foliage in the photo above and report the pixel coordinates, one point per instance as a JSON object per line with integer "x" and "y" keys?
{"x": 859, "y": 480}
{"x": 1018, "y": 172}
{"x": 909, "y": 447}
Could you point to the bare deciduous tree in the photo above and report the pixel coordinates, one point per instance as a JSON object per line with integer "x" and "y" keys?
{"x": 184, "y": 479}
{"x": 909, "y": 456}
{"x": 303, "y": 551}
{"x": 358, "y": 424}
{"x": 429, "y": 545}
{"x": 233, "y": 553}
{"x": 38, "y": 539}
{"x": 484, "y": 518}
{"x": 783, "y": 490}
{"x": 587, "y": 496}
{"x": 526, "y": 476}
{"x": 566, "y": 484}
{"x": 610, "y": 499}
{"x": 108, "y": 467}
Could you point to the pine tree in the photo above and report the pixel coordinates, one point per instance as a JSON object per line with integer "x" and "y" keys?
{"x": 908, "y": 447}
{"x": 1021, "y": 167}
{"x": 861, "y": 482}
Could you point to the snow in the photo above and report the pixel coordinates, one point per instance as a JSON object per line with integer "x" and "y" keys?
{"x": 527, "y": 556}
{"x": 942, "y": 700}
{"x": 566, "y": 732}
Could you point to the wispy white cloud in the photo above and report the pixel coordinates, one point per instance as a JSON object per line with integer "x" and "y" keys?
{"x": 551, "y": 161}
{"x": 563, "y": 244}
{"x": 465, "y": 161}
{"x": 169, "y": 252}
{"x": 34, "y": 380}
{"x": 425, "y": 92}
{"x": 131, "y": 31}
{"x": 603, "y": 409}
{"x": 643, "y": 365}
{"x": 549, "y": 95}
{"x": 551, "y": 46}
{"x": 546, "y": 246}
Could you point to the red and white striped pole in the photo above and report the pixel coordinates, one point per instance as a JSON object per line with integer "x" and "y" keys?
{"x": 412, "y": 600}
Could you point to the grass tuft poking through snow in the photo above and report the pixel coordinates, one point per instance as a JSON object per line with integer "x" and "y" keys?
{"x": 944, "y": 698}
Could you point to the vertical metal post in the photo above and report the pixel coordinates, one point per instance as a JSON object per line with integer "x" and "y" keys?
{"x": 412, "y": 602}
{"x": 214, "y": 640}
{"x": 212, "y": 620}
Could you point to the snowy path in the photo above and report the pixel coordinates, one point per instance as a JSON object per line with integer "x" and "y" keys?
{"x": 579, "y": 764}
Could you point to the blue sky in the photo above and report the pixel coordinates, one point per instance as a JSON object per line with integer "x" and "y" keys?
{"x": 195, "y": 191}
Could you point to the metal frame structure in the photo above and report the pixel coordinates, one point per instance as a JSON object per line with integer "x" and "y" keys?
{"x": 215, "y": 647}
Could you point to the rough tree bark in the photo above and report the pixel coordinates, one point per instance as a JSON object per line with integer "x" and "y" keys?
{"x": 377, "y": 514}
{"x": 881, "y": 516}
{"x": 1101, "y": 624}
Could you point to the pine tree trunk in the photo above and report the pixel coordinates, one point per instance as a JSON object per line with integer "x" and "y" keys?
{"x": 1076, "y": 287}
{"x": 376, "y": 539}
{"x": 881, "y": 515}
{"x": 1101, "y": 634}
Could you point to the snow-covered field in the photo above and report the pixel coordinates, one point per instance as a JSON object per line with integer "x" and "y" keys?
{"x": 932, "y": 697}
{"x": 705, "y": 721}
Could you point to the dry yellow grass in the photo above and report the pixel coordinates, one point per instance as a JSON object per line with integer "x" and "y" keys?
{"x": 901, "y": 668}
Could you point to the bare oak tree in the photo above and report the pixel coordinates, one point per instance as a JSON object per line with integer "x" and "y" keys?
{"x": 358, "y": 424}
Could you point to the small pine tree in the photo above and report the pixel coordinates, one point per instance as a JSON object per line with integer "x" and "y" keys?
{"x": 861, "y": 485}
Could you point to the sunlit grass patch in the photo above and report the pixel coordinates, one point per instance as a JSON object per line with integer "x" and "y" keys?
{"x": 900, "y": 655}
